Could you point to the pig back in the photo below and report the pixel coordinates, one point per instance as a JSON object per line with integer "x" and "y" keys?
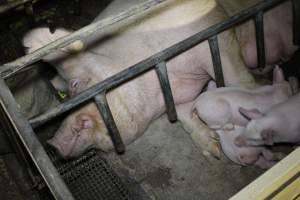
{"x": 154, "y": 30}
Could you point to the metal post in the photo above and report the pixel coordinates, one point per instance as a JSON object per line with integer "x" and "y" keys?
{"x": 109, "y": 121}
{"x": 19, "y": 64}
{"x": 260, "y": 41}
{"x": 217, "y": 64}
{"x": 162, "y": 74}
{"x": 296, "y": 21}
{"x": 32, "y": 145}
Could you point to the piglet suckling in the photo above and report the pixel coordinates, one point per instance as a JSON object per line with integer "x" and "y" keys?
{"x": 279, "y": 124}
{"x": 219, "y": 109}
{"x": 258, "y": 156}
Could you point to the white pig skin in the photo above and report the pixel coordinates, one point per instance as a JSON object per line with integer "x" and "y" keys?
{"x": 219, "y": 109}
{"x": 136, "y": 103}
{"x": 279, "y": 124}
{"x": 278, "y": 33}
{"x": 221, "y": 106}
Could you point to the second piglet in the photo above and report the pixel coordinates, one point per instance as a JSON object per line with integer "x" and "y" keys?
{"x": 220, "y": 110}
{"x": 279, "y": 124}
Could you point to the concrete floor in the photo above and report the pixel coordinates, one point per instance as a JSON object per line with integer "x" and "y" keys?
{"x": 169, "y": 166}
{"x": 164, "y": 161}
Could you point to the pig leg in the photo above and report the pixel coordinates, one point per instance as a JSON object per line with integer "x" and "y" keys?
{"x": 201, "y": 135}
{"x": 216, "y": 119}
{"x": 263, "y": 163}
{"x": 267, "y": 159}
{"x": 294, "y": 84}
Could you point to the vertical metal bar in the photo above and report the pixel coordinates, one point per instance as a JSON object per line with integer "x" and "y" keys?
{"x": 162, "y": 74}
{"x": 33, "y": 146}
{"x": 109, "y": 121}
{"x": 260, "y": 41}
{"x": 217, "y": 64}
{"x": 296, "y": 21}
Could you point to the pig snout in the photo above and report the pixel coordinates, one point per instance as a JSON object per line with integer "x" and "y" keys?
{"x": 240, "y": 141}
{"x": 75, "y": 136}
{"x": 64, "y": 145}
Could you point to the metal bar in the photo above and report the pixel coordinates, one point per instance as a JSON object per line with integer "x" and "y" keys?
{"x": 15, "y": 142}
{"x": 260, "y": 41}
{"x": 12, "y": 68}
{"x": 150, "y": 62}
{"x": 216, "y": 59}
{"x": 161, "y": 70}
{"x": 296, "y": 21}
{"x": 32, "y": 145}
{"x": 11, "y": 5}
{"x": 109, "y": 121}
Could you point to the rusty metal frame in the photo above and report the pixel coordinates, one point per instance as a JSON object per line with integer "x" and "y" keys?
{"x": 98, "y": 92}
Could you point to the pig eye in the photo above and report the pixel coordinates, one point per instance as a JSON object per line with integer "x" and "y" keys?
{"x": 74, "y": 83}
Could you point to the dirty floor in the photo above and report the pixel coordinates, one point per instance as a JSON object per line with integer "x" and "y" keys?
{"x": 169, "y": 166}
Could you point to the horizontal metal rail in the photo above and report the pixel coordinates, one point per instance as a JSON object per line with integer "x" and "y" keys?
{"x": 152, "y": 61}
{"x": 34, "y": 147}
{"x": 19, "y": 64}
{"x": 12, "y": 5}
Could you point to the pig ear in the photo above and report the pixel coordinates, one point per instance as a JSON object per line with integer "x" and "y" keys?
{"x": 85, "y": 121}
{"x": 267, "y": 154}
{"x": 267, "y": 136}
{"x": 76, "y": 85}
{"x": 294, "y": 84}
{"x": 39, "y": 37}
{"x": 250, "y": 113}
{"x": 278, "y": 76}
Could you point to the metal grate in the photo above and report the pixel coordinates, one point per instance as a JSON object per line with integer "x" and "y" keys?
{"x": 90, "y": 177}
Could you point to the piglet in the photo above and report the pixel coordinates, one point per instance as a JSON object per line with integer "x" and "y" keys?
{"x": 219, "y": 109}
{"x": 258, "y": 156}
{"x": 281, "y": 123}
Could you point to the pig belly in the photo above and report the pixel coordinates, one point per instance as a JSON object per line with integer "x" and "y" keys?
{"x": 278, "y": 32}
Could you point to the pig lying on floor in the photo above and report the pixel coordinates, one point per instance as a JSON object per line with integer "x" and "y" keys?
{"x": 219, "y": 109}
{"x": 139, "y": 101}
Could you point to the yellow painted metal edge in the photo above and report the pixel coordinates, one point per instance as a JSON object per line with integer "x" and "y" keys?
{"x": 273, "y": 180}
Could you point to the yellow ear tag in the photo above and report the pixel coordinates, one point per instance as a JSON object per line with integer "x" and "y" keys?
{"x": 62, "y": 94}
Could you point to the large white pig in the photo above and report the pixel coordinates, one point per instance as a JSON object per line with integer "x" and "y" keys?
{"x": 278, "y": 32}
{"x": 136, "y": 103}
